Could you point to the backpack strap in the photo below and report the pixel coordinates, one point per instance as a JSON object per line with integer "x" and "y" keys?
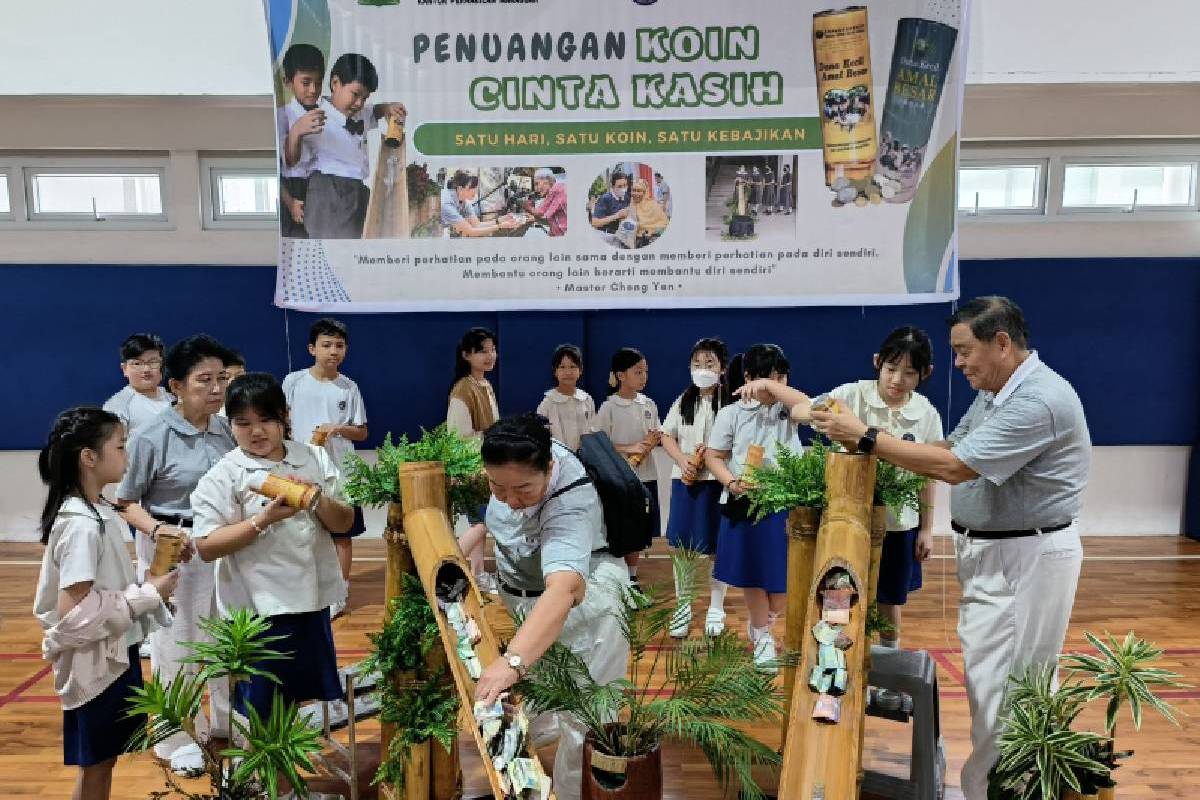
{"x": 584, "y": 481}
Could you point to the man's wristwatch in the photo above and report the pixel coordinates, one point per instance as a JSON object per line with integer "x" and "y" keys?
{"x": 867, "y": 443}
{"x": 517, "y": 663}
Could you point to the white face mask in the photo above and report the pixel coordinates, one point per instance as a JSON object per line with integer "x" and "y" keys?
{"x": 705, "y": 378}
{"x": 618, "y": 193}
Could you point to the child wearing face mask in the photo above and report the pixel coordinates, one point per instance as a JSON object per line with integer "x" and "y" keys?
{"x": 695, "y": 513}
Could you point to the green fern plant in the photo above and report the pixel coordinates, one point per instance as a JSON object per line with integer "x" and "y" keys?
{"x": 379, "y": 484}
{"x": 705, "y": 688}
{"x": 795, "y": 480}
{"x": 278, "y": 745}
{"x": 897, "y": 488}
{"x": 409, "y": 632}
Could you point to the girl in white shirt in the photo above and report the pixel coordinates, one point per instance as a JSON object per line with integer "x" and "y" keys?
{"x": 88, "y": 600}
{"x": 271, "y": 558}
{"x": 627, "y": 416}
{"x": 695, "y": 513}
{"x": 753, "y": 555}
{"x": 891, "y": 403}
{"x": 570, "y": 410}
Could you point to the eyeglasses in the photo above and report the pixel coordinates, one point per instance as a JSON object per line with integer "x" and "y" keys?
{"x": 138, "y": 364}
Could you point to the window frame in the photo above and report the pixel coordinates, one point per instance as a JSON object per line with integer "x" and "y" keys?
{"x": 215, "y": 165}
{"x": 1042, "y": 163}
{"x": 155, "y": 165}
{"x": 1149, "y": 158}
{"x": 6, "y": 180}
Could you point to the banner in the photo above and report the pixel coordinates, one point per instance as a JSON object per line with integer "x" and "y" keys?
{"x": 554, "y": 154}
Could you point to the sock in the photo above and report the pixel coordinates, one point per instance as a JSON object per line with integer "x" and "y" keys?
{"x": 772, "y": 618}
{"x": 758, "y": 633}
{"x": 633, "y": 571}
{"x": 717, "y": 598}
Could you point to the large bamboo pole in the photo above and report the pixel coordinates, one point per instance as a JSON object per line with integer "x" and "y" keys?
{"x": 821, "y": 759}
{"x": 802, "y": 526}
{"x": 439, "y": 561}
{"x": 387, "y": 209}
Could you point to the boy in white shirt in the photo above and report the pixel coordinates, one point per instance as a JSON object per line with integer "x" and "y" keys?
{"x": 336, "y": 202}
{"x": 143, "y": 398}
{"x": 326, "y": 409}
{"x": 303, "y": 74}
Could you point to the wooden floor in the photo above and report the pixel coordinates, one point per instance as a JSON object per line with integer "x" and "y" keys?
{"x": 1151, "y": 585}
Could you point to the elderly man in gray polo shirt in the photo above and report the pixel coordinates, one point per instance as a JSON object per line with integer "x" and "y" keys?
{"x": 1018, "y": 463}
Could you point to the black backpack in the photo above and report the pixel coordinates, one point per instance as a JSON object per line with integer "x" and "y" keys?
{"x": 625, "y": 499}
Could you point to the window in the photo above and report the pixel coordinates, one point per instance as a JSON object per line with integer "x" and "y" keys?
{"x": 1105, "y": 186}
{"x": 5, "y": 202}
{"x": 94, "y": 193}
{"x": 1000, "y": 188}
{"x": 240, "y": 192}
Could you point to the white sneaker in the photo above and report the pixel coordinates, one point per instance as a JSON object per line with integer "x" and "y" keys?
{"x": 337, "y": 609}
{"x": 764, "y": 654}
{"x": 188, "y": 761}
{"x": 681, "y": 621}
{"x": 144, "y": 649}
{"x": 487, "y": 583}
{"x": 714, "y": 621}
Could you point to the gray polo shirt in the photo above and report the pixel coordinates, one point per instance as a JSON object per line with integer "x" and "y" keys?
{"x": 1029, "y": 442}
{"x": 557, "y": 535}
{"x": 168, "y": 457}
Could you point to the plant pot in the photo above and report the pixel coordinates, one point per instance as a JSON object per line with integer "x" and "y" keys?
{"x": 608, "y": 777}
{"x": 1071, "y": 794}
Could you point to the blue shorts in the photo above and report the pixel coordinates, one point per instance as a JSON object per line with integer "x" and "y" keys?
{"x": 695, "y": 515}
{"x": 307, "y": 672}
{"x": 99, "y": 730}
{"x": 899, "y": 570}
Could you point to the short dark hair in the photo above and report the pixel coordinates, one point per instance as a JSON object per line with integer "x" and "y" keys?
{"x": 183, "y": 356}
{"x": 988, "y": 315}
{"x": 139, "y": 344}
{"x": 471, "y": 342}
{"x": 303, "y": 58}
{"x": 565, "y": 351}
{"x": 523, "y": 439}
{"x": 462, "y": 180}
{"x": 616, "y": 176}
{"x": 328, "y": 326}
{"x": 908, "y": 341}
{"x": 759, "y": 361}
{"x": 258, "y": 391}
{"x": 622, "y": 360}
{"x": 351, "y": 67}
{"x": 234, "y": 359}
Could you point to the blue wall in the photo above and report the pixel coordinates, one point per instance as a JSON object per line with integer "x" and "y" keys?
{"x": 1125, "y": 332}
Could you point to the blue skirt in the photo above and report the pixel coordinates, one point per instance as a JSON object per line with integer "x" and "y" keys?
{"x": 695, "y": 515}
{"x": 899, "y": 570}
{"x": 99, "y": 730}
{"x": 655, "y": 508}
{"x": 753, "y": 555}
{"x": 309, "y": 670}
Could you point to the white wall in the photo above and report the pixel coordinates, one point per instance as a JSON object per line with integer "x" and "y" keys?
{"x": 219, "y": 47}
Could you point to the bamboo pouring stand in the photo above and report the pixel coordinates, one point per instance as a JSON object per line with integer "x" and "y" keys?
{"x": 431, "y": 773}
{"x": 818, "y": 755}
{"x": 802, "y": 528}
{"x": 436, "y": 554}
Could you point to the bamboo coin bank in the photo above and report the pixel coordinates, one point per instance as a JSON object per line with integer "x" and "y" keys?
{"x": 842, "y": 56}
{"x": 296, "y": 495}
{"x": 167, "y": 547}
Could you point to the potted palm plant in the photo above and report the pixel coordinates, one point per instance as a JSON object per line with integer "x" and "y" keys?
{"x": 270, "y": 747}
{"x": 1041, "y": 756}
{"x": 696, "y": 693}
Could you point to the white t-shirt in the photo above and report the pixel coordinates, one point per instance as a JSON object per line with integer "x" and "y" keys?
{"x": 82, "y": 548}
{"x": 917, "y": 419}
{"x": 285, "y": 118}
{"x": 570, "y": 417}
{"x": 746, "y": 422}
{"x": 313, "y": 402}
{"x": 689, "y": 436}
{"x": 627, "y": 422}
{"x": 292, "y": 566}
{"x": 335, "y": 150}
{"x": 135, "y": 409}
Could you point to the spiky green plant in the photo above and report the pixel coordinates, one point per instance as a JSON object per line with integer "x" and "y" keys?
{"x": 795, "y": 480}
{"x": 706, "y": 686}
{"x": 273, "y": 746}
{"x": 379, "y": 484}
{"x": 1040, "y": 756}
{"x": 1121, "y": 673}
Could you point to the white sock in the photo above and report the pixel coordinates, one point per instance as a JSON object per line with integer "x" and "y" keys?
{"x": 772, "y": 618}
{"x": 717, "y": 598}
{"x": 633, "y": 571}
{"x": 758, "y": 633}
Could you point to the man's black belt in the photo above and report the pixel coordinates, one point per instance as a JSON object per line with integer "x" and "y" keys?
{"x": 974, "y": 534}
{"x": 173, "y": 519}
